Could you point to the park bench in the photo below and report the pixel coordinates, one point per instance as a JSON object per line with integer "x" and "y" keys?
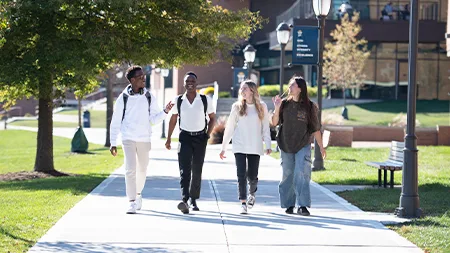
{"x": 393, "y": 163}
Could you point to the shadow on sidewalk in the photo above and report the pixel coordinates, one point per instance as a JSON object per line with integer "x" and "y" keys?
{"x": 263, "y": 220}
{"x": 84, "y": 247}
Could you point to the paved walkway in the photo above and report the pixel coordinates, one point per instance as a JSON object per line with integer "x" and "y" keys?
{"x": 98, "y": 223}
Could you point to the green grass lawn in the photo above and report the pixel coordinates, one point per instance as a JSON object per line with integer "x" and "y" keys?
{"x": 98, "y": 120}
{"x": 29, "y": 208}
{"x": 429, "y": 113}
{"x": 346, "y": 166}
{"x": 34, "y": 123}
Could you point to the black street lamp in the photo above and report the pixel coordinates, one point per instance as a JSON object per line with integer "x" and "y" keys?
{"x": 164, "y": 73}
{"x": 409, "y": 198}
{"x": 321, "y": 9}
{"x": 249, "y": 55}
{"x": 283, "y": 34}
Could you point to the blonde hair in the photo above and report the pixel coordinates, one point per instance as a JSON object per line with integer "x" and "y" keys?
{"x": 242, "y": 105}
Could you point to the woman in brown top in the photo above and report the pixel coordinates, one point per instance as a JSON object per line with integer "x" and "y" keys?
{"x": 298, "y": 123}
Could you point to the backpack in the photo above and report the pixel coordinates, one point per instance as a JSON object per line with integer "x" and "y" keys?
{"x": 125, "y": 99}
{"x": 205, "y": 107}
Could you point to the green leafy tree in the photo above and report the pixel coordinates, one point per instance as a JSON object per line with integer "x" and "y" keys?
{"x": 345, "y": 56}
{"x": 50, "y": 46}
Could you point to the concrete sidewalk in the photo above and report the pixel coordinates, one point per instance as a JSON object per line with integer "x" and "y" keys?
{"x": 98, "y": 223}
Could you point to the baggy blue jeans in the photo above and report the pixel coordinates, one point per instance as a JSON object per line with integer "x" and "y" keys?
{"x": 294, "y": 188}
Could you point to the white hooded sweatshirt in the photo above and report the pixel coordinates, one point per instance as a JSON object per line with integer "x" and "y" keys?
{"x": 138, "y": 121}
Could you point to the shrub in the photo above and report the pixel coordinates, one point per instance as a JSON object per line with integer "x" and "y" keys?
{"x": 400, "y": 121}
{"x": 332, "y": 118}
{"x": 224, "y": 94}
{"x": 271, "y": 90}
{"x": 208, "y": 91}
{"x": 218, "y": 131}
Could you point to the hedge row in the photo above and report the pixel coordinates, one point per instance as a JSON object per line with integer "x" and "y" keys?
{"x": 270, "y": 90}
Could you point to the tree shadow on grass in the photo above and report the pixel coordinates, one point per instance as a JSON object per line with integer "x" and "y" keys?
{"x": 349, "y": 160}
{"x": 423, "y": 106}
{"x": 434, "y": 199}
{"x": 4, "y": 232}
{"x": 77, "y": 184}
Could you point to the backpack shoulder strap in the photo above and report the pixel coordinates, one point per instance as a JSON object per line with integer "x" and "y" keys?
{"x": 205, "y": 107}
{"x": 179, "y": 100}
{"x": 149, "y": 100}
{"x": 125, "y": 99}
{"x": 205, "y": 103}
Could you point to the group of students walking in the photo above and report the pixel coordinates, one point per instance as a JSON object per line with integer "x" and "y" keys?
{"x": 248, "y": 127}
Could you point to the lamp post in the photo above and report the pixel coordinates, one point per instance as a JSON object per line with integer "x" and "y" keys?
{"x": 409, "y": 198}
{"x": 249, "y": 55}
{"x": 283, "y": 34}
{"x": 164, "y": 73}
{"x": 321, "y": 9}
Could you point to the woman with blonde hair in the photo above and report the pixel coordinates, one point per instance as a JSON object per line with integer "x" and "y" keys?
{"x": 248, "y": 126}
{"x": 298, "y": 122}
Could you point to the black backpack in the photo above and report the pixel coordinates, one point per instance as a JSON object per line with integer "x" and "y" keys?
{"x": 205, "y": 107}
{"x": 125, "y": 99}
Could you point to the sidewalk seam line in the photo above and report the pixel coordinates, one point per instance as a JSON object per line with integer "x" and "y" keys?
{"x": 213, "y": 187}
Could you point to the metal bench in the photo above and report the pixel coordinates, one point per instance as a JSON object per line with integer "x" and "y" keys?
{"x": 393, "y": 163}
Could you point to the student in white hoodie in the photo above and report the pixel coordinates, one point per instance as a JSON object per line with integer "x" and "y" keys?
{"x": 248, "y": 126}
{"x": 135, "y": 111}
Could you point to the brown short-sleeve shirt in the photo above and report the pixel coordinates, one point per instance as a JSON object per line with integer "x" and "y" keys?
{"x": 295, "y": 130}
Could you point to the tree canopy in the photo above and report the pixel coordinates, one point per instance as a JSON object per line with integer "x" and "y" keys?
{"x": 67, "y": 43}
{"x": 49, "y": 46}
{"x": 346, "y": 55}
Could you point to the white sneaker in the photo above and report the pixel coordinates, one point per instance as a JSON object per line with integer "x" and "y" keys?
{"x": 243, "y": 209}
{"x": 138, "y": 202}
{"x": 132, "y": 208}
{"x": 251, "y": 201}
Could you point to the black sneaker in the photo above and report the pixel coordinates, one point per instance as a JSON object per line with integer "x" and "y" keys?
{"x": 194, "y": 205}
{"x": 290, "y": 210}
{"x": 303, "y": 211}
{"x": 183, "y": 207}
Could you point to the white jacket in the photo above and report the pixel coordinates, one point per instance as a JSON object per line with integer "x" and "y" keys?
{"x": 138, "y": 121}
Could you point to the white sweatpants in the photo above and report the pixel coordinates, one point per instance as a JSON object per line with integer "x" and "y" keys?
{"x": 136, "y": 162}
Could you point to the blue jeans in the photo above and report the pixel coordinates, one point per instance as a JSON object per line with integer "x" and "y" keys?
{"x": 294, "y": 188}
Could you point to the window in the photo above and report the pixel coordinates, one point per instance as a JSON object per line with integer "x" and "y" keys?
{"x": 386, "y": 50}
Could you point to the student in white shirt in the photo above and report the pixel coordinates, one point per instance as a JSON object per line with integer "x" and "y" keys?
{"x": 191, "y": 109}
{"x": 248, "y": 126}
{"x": 135, "y": 111}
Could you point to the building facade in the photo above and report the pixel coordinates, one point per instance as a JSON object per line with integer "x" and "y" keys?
{"x": 385, "y": 25}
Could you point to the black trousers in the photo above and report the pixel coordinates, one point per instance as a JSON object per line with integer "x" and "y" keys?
{"x": 191, "y": 155}
{"x": 244, "y": 174}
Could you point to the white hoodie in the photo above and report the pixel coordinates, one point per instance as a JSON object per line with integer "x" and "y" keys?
{"x": 138, "y": 121}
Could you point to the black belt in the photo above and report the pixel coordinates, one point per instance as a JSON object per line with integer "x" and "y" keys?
{"x": 194, "y": 133}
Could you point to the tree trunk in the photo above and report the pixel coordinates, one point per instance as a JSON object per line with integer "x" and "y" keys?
{"x": 44, "y": 151}
{"x": 109, "y": 105}
{"x": 79, "y": 112}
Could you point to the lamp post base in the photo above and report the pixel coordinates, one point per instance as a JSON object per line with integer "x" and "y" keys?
{"x": 345, "y": 113}
{"x": 163, "y": 134}
{"x": 402, "y": 213}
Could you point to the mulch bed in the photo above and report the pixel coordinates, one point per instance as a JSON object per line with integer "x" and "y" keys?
{"x": 29, "y": 175}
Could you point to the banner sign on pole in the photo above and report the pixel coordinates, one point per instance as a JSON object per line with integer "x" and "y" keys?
{"x": 305, "y": 47}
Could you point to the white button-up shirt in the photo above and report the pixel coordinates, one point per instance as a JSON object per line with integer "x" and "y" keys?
{"x": 193, "y": 115}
